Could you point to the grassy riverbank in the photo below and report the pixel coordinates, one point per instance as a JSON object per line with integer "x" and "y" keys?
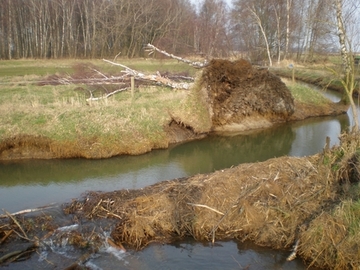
{"x": 59, "y": 116}
{"x": 312, "y": 202}
{"x": 326, "y": 75}
{"x": 62, "y": 114}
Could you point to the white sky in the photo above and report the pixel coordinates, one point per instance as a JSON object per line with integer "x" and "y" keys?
{"x": 196, "y": 2}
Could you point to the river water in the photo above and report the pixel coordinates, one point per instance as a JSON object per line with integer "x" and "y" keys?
{"x": 35, "y": 183}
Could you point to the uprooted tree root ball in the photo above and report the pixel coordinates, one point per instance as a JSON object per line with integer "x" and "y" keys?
{"x": 238, "y": 91}
{"x": 275, "y": 203}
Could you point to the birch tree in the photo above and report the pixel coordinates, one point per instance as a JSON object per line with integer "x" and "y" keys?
{"x": 259, "y": 23}
{"x": 287, "y": 38}
{"x": 348, "y": 81}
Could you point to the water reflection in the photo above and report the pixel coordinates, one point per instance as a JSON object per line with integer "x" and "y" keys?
{"x": 189, "y": 254}
{"x": 311, "y": 134}
{"x": 218, "y": 152}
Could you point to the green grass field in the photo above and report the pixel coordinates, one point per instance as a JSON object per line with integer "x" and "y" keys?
{"x": 61, "y": 113}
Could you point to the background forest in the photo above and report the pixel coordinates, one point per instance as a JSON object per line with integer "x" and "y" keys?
{"x": 261, "y": 31}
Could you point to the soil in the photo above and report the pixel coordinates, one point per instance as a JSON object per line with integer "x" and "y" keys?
{"x": 237, "y": 92}
{"x": 240, "y": 98}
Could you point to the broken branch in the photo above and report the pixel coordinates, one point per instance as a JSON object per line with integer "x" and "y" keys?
{"x": 91, "y": 98}
{"x": 154, "y": 78}
{"x": 17, "y": 224}
{"x": 151, "y": 48}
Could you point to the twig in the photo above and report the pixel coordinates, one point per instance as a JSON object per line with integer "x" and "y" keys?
{"x": 107, "y": 95}
{"x": 94, "y": 209}
{"x": 293, "y": 253}
{"x": 207, "y": 207}
{"x": 26, "y": 211}
{"x": 116, "y": 56}
{"x": 84, "y": 258}
{"x": 7, "y": 234}
{"x": 17, "y": 223}
{"x": 101, "y": 74}
{"x": 117, "y": 246}
{"x": 246, "y": 192}
{"x": 17, "y": 254}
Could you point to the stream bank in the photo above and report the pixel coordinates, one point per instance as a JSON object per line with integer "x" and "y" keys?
{"x": 228, "y": 96}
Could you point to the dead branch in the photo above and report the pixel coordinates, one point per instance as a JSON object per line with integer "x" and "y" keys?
{"x": 151, "y": 49}
{"x": 292, "y": 256}
{"x": 26, "y": 211}
{"x": 17, "y": 224}
{"x": 154, "y": 78}
{"x": 7, "y": 234}
{"x": 92, "y": 98}
{"x": 13, "y": 256}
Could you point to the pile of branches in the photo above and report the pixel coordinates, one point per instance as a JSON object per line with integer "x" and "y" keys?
{"x": 92, "y": 76}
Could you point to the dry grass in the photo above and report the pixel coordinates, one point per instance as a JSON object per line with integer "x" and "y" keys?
{"x": 121, "y": 124}
{"x": 273, "y": 203}
{"x": 262, "y": 202}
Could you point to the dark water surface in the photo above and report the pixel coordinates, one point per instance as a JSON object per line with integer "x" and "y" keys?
{"x": 35, "y": 183}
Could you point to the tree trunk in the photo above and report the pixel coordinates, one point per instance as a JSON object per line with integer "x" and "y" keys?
{"x": 259, "y": 23}
{"x": 349, "y": 81}
{"x": 288, "y": 8}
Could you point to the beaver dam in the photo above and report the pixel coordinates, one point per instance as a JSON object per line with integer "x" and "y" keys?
{"x": 308, "y": 206}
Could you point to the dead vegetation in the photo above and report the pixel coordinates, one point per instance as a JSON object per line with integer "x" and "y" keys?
{"x": 275, "y": 203}
{"x": 310, "y": 202}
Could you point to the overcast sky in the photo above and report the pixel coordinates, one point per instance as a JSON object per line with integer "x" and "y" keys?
{"x": 196, "y": 2}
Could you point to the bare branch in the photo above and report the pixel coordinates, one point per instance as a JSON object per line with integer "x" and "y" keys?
{"x": 91, "y": 98}
{"x": 154, "y": 78}
{"x": 151, "y": 48}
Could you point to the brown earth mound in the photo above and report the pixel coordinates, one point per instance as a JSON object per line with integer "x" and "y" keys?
{"x": 238, "y": 92}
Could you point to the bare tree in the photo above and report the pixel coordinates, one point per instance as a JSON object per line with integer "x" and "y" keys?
{"x": 348, "y": 81}
{"x": 260, "y": 24}
{"x": 287, "y": 39}
{"x": 211, "y": 28}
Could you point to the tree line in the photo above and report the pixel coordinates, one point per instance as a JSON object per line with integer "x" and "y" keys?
{"x": 259, "y": 30}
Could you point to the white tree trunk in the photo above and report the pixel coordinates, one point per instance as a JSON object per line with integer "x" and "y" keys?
{"x": 349, "y": 81}
{"x": 259, "y": 23}
{"x": 288, "y": 7}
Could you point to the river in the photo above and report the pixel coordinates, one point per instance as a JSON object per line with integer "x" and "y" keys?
{"x": 33, "y": 183}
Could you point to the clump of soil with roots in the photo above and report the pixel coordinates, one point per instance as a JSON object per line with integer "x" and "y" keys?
{"x": 238, "y": 91}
